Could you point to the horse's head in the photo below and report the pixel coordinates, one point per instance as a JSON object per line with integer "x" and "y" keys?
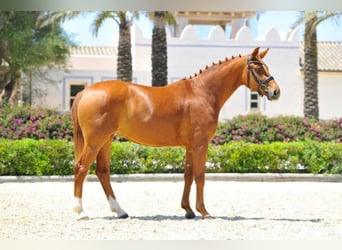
{"x": 258, "y": 76}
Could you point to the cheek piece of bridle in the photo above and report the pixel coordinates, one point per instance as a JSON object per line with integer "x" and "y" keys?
{"x": 262, "y": 83}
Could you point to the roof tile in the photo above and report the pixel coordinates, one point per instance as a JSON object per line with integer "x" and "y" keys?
{"x": 93, "y": 51}
{"x": 329, "y": 56}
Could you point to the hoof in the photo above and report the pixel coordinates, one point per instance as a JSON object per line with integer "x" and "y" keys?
{"x": 82, "y": 216}
{"x": 206, "y": 216}
{"x": 190, "y": 215}
{"x": 123, "y": 216}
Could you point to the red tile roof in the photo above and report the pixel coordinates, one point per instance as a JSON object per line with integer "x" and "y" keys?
{"x": 93, "y": 51}
{"x": 329, "y": 56}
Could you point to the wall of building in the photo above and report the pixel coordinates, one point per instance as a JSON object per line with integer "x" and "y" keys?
{"x": 329, "y": 95}
{"x": 188, "y": 54}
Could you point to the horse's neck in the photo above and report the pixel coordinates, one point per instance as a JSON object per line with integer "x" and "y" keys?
{"x": 222, "y": 80}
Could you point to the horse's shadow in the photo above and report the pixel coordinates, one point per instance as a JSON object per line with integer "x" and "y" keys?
{"x": 160, "y": 217}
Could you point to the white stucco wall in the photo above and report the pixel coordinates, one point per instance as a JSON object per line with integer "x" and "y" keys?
{"x": 330, "y": 95}
{"x": 188, "y": 54}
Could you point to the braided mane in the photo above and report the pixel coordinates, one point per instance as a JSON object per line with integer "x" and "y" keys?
{"x": 207, "y": 67}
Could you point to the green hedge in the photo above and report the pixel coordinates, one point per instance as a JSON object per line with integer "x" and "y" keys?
{"x": 55, "y": 157}
{"x": 36, "y": 157}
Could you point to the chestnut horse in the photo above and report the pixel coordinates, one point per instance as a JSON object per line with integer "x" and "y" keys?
{"x": 184, "y": 113}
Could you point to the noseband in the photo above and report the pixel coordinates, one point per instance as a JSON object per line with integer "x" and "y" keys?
{"x": 262, "y": 83}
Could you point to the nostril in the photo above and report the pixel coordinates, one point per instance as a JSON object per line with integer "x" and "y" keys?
{"x": 275, "y": 93}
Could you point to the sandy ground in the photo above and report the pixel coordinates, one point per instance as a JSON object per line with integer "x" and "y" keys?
{"x": 241, "y": 210}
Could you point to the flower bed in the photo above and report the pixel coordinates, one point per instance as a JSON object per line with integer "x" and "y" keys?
{"x": 257, "y": 128}
{"x": 36, "y": 123}
{"x": 42, "y": 123}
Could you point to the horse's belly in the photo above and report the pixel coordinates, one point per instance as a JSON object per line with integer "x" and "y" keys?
{"x": 151, "y": 135}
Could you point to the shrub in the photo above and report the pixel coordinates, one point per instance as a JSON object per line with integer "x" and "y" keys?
{"x": 129, "y": 158}
{"x": 278, "y": 157}
{"x": 36, "y": 157}
{"x": 55, "y": 157}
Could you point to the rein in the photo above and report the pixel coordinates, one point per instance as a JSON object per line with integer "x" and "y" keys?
{"x": 262, "y": 83}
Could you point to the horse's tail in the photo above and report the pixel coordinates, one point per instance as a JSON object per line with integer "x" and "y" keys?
{"x": 77, "y": 131}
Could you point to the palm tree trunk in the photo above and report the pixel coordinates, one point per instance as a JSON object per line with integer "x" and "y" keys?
{"x": 12, "y": 90}
{"x": 311, "y": 109}
{"x": 159, "y": 50}
{"x": 124, "y": 60}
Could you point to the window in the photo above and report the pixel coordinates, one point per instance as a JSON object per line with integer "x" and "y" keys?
{"x": 254, "y": 101}
{"x": 74, "y": 89}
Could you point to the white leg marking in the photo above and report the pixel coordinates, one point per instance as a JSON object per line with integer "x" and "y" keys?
{"x": 79, "y": 210}
{"x": 115, "y": 207}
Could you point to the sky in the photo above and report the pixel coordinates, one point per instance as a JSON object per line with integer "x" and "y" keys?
{"x": 79, "y": 29}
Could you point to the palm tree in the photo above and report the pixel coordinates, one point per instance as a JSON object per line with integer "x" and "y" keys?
{"x": 312, "y": 20}
{"x": 159, "y": 46}
{"x": 124, "y": 19}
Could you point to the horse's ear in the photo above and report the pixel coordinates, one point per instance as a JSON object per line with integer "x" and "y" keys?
{"x": 262, "y": 54}
{"x": 255, "y": 53}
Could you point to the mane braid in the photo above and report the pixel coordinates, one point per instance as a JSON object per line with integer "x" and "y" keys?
{"x": 207, "y": 67}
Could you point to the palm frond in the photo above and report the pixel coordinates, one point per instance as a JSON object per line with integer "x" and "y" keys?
{"x": 99, "y": 19}
{"x": 168, "y": 17}
{"x": 299, "y": 21}
{"x": 314, "y": 18}
{"x": 332, "y": 15}
{"x": 134, "y": 16}
{"x": 50, "y": 17}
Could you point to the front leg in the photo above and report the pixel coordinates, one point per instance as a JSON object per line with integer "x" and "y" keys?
{"x": 199, "y": 156}
{"x": 79, "y": 210}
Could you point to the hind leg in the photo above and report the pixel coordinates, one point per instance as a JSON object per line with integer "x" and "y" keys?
{"x": 188, "y": 179}
{"x": 103, "y": 174}
{"x": 80, "y": 172}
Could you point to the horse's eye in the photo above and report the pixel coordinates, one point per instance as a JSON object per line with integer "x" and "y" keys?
{"x": 259, "y": 70}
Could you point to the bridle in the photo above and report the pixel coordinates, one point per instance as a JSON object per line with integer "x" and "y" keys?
{"x": 262, "y": 83}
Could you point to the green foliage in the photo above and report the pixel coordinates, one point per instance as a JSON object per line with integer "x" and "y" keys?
{"x": 36, "y": 157}
{"x": 278, "y": 157}
{"x": 29, "y": 46}
{"x": 55, "y": 157}
{"x": 245, "y": 144}
{"x": 127, "y": 158}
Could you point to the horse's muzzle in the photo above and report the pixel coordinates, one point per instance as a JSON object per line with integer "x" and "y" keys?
{"x": 273, "y": 94}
